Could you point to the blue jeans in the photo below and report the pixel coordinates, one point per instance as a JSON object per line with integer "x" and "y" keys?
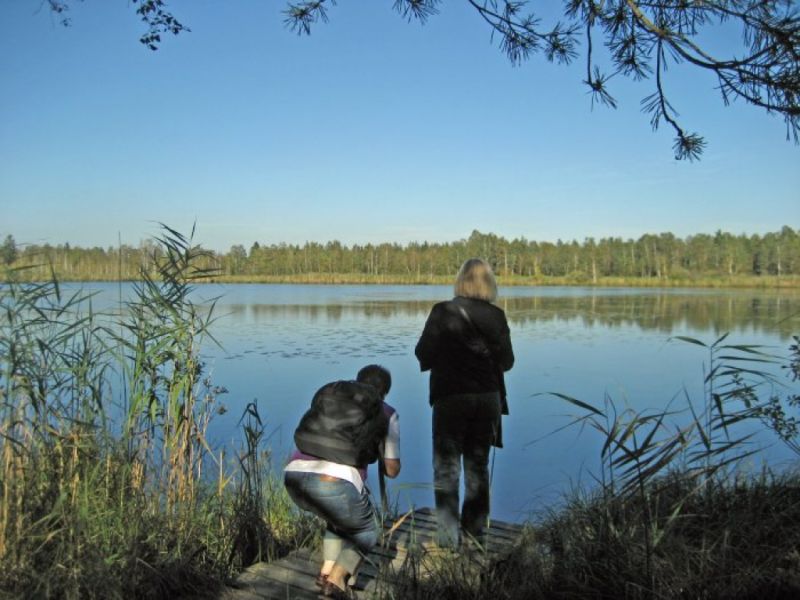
{"x": 464, "y": 427}
{"x": 348, "y": 513}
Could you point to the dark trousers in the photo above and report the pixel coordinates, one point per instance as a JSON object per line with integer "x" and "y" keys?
{"x": 464, "y": 427}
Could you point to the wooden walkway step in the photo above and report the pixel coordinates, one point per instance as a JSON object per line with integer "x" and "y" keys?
{"x": 292, "y": 577}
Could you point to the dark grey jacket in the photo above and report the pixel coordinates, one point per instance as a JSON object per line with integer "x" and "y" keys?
{"x": 345, "y": 424}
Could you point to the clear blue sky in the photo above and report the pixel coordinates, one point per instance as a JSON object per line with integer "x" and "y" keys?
{"x": 372, "y": 129}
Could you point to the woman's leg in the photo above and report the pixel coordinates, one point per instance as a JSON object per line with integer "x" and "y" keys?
{"x": 478, "y": 441}
{"x": 475, "y": 511}
{"x": 446, "y": 476}
{"x": 331, "y": 547}
{"x": 348, "y": 513}
{"x": 354, "y": 521}
{"x": 448, "y": 433}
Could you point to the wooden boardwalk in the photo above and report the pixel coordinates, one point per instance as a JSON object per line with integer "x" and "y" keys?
{"x": 292, "y": 577}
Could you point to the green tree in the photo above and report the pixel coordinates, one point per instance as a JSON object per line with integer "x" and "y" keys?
{"x": 662, "y": 257}
{"x": 8, "y": 251}
{"x": 158, "y": 19}
{"x": 237, "y": 259}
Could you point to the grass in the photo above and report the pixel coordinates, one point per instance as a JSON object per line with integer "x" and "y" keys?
{"x": 698, "y": 281}
{"x": 672, "y": 514}
{"x": 108, "y": 487}
{"x": 733, "y": 539}
{"x": 40, "y": 272}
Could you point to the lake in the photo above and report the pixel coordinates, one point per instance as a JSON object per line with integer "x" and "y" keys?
{"x": 280, "y": 343}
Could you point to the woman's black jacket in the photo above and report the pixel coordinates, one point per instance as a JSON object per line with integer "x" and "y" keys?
{"x": 465, "y": 354}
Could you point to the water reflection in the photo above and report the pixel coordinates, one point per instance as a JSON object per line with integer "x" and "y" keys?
{"x": 777, "y": 314}
{"x": 279, "y": 343}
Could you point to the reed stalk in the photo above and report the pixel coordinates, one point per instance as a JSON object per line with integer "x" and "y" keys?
{"x": 672, "y": 515}
{"x": 99, "y": 503}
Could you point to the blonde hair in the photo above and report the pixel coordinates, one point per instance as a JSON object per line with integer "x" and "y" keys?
{"x": 476, "y": 280}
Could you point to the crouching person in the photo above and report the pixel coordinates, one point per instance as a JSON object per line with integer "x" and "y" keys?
{"x": 348, "y": 427}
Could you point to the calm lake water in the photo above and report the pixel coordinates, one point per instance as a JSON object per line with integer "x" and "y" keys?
{"x": 280, "y": 343}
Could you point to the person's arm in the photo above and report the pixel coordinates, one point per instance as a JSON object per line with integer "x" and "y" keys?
{"x": 391, "y": 466}
{"x": 505, "y": 354}
{"x": 391, "y": 448}
{"x": 426, "y": 349}
{"x": 506, "y": 360}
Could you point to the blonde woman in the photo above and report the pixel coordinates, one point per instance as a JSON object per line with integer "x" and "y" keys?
{"x": 466, "y": 346}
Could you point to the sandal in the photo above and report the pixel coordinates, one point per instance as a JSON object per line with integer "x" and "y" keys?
{"x": 329, "y": 590}
{"x": 321, "y": 580}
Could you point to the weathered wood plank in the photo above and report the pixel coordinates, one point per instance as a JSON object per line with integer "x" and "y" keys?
{"x": 292, "y": 578}
{"x": 424, "y": 517}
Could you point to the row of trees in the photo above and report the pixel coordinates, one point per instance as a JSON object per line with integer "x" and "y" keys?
{"x": 663, "y": 256}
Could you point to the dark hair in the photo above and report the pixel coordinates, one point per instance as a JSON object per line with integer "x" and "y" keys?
{"x": 376, "y": 376}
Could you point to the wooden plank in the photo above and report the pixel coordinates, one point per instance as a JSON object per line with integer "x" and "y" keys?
{"x": 292, "y": 578}
{"x": 496, "y": 528}
{"x": 419, "y": 532}
{"x": 267, "y": 589}
{"x": 425, "y": 517}
{"x": 428, "y": 528}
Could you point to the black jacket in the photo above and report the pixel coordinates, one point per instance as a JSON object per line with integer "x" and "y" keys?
{"x": 345, "y": 424}
{"x": 465, "y": 356}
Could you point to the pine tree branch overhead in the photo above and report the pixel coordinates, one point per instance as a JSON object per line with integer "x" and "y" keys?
{"x": 641, "y": 39}
{"x": 634, "y": 39}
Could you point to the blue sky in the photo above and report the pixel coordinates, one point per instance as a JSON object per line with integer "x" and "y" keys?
{"x": 371, "y": 129}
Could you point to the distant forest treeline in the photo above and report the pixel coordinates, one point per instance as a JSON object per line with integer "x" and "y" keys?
{"x": 659, "y": 258}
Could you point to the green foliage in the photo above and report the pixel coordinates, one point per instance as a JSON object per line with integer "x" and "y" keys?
{"x": 658, "y": 524}
{"x": 8, "y": 251}
{"x": 142, "y": 508}
{"x": 264, "y": 522}
{"x": 160, "y": 352}
{"x": 642, "y": 40}
{"x": 727, "y": 540}
{"x": 663, "y": 259}
{"x": 670, "y": 518}
{"x": 157, "y": 18}
{"x": 781, "y": 410}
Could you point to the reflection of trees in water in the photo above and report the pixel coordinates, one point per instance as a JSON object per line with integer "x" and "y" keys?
{"x": 778, "y": 313}
{"x": 665, "y": 312}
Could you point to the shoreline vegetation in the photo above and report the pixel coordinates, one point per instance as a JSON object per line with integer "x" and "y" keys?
{"x": 771, "y": 260}
{"x": 766, "y": 281}
{"x": 108, "y": 488}
{"x": 785, "y": 282}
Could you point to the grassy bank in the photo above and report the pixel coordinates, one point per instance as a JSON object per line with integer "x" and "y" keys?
{"x": 742, "y": 281}
{"x": 108, "y": 488}
{"x": 724, "y": 540}
{"x": 789, "y": 282}
{"x": 673, "y": 513}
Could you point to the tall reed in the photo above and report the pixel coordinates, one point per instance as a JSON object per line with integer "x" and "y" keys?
{"x": 166, "y": 412}
{"x": 108, "y": 486}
